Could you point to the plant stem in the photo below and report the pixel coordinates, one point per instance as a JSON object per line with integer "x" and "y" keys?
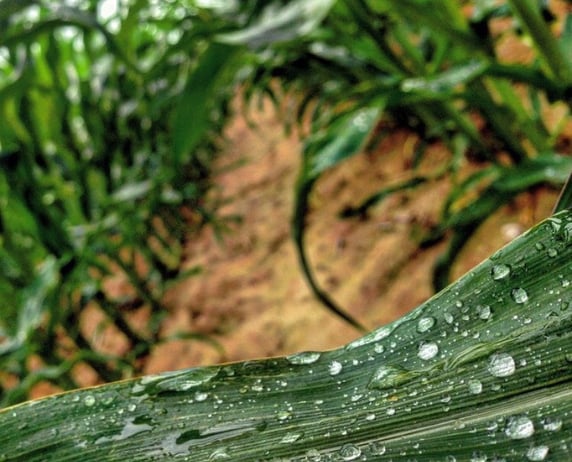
{"x": 548, "y": 47}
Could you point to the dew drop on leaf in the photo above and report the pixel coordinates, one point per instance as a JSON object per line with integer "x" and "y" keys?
{"x": 424, "y": 324}
{"x": 519, "y": 295}
{"x": 501, "y": 365}
{"x": 475, "y": 386}
{"x": 551, "y": 424}
{"x": 305, "y": 357}
{"x": 335, "y": 367}
{"x": 350, "y": 452}
{"x": 388, "y": 376}
{"x": 536, "y": 453}
{"x": 519, "y": 428}
{"x": 500, "y": 272}
{"x": 89, "y": 400}
{"x": 427, "y": 350}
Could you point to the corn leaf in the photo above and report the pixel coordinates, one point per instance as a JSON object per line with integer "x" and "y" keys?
{"x": 480, "y": 372}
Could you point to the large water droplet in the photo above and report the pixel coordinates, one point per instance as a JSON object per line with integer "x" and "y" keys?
{"x": 350, "y": 452}
{"x": 519, "y": 428}
{"x": 501, "y": 365}
{"x": 484, "y": 312}
{"x": 305, "y": 357}
{"x": 519, "y": 295}
{"x": 537, "y": 453}
{"x": 424, "y": 324}
{"x": 335, "y": 367}
{"x": 428, "y": 350}
{"x": 500, "y": 272}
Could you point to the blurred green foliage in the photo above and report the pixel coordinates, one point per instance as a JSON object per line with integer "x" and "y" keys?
{"x": 436, "y": 70}
{"x": 108, "y": 132}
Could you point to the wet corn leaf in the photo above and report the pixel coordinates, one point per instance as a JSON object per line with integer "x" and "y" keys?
{"x": 482, "y": 371}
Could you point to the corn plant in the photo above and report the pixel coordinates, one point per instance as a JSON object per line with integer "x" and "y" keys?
{"x": 358, "y": 69}
{"x": 480, "y": 372}
{"x": 106, "y": 137}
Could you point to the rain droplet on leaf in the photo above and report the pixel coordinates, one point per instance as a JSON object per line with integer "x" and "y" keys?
{"x": 501, "y": 365}
{"x": 519, "y": 428}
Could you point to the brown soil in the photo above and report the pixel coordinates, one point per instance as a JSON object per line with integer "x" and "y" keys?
{"x": 252, "y": 297}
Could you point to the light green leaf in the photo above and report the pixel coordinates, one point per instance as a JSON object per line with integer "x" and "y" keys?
{"x": 481, "y": 371}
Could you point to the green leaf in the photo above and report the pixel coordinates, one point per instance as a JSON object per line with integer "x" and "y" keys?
{"x": 192, "y": 115}
{"x": 481, "y": 371}
{"x": 279, "y": 23}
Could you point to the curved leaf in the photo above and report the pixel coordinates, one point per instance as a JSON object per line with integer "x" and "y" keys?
{"x": 482, "y": 371}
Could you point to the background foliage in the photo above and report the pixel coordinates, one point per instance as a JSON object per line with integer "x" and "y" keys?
{"x": 111, "y": 120}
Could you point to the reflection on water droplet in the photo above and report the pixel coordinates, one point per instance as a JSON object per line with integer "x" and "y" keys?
{"x": 305, "y": 357}
{"x": 428, "y": 350}
{"x": 424, "y": 324}
{"x": 501, "y": 365}
{"x": 519, "y": 428}
{"x": 335, "y": 367}
{"x": 350, "y": 452}
{"x": 500, "y": 272}
{"x": 519, "y": 295}
{"x": 536, "y": 453}
{"x": 475, "y": 386}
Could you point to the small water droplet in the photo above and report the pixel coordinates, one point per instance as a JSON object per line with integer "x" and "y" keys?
{"x": 89, "y": 400}
{"x": 449, "y": 319}
{"x": 305, "y": 357}
{"x": 519, "y": 295}
{"x": 390, "y": 411}
{"x": 501, "y": 365}
{"x": 427, "y": 350}
{"x": 551, "y": 424}
{"x": 424, "y": 324}
{"x": 350, "y": 452}
{"x": 519, "y": 428}
{"x": 536, "y": 453}
{"x": 552, "y": 252}
{"x": 335, "y": 367}
{"x": 219, "y": 454}
{"x": 379, "y": 348}
{"x": 475, "y": 386}
{"x": 377, "y": 449}
{"x": 291, "y": 437}
{"x": 479, "y": 457}
{"x": 500, "y": 272}
{"x": 313, "y": 455}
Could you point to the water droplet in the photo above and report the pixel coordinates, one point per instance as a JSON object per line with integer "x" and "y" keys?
{"x": 450, "y": 459}
{"x": 478, "y": 457}
{"x": 184, "y": 380}
{"x": 449, "y": 319}
{"x": 501, "y": 365}
{"x": 335, "y": 367}
{"x": 219, "y": 454}
{"x": 89, "y": 400}
{"x": 424, "y": 324}
{"x": 372, "y": 337}
{"x": 201, "y": 396}
{"x": 519, "y": 428}
{"x": 519, "y": 295}
{"x": 313, "y": 455}
{"x": 379, "y": 348}
{"x": 500, "y": 272}
{"x": 377, "y": 449}
{"x": 484, "y": 312}
{"x": 390, "y": 411}
{"x": 305, "y": 357}
{"x": 389, "y": 377}
{"x": 552, "y": 252}
{"x": 475, "y": 386}
{"x": 427, "y": 350}
{"x": 536, "y": 453}
{"x": 350, "y": 452}
{"x": 291, "y": 437}
{"x": 551, "y": 424}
